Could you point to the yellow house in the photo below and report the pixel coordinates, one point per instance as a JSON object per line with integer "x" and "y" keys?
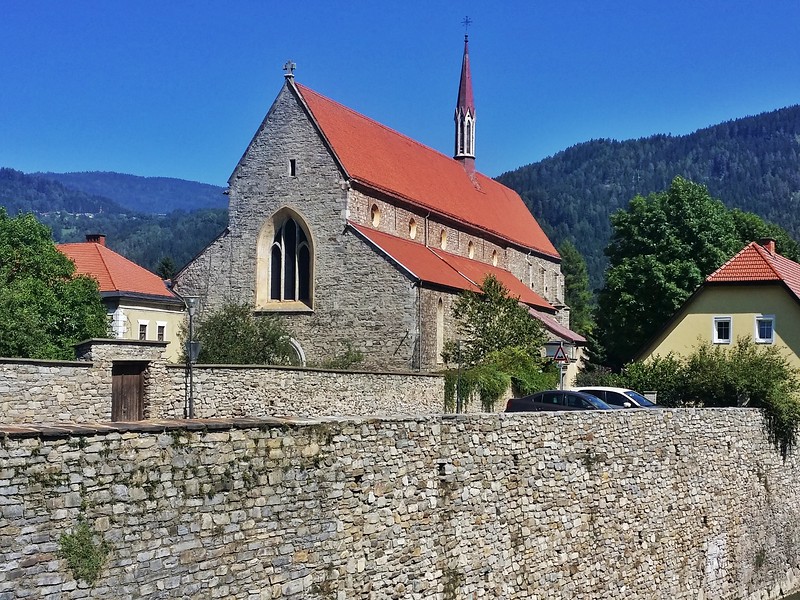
{"x": 755, "y": 294}
{"x": 139, "y": 305}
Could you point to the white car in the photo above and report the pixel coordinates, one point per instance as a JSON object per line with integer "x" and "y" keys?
{"x": 617, "y": 397}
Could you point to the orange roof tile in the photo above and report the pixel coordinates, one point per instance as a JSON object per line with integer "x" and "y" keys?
{"x": 446, "y": 269}
{"x": 754, "y": 264}
{"x": 114, "y": 272}
{"x": 551, "y": 324}
{"x": 390, "y": 162}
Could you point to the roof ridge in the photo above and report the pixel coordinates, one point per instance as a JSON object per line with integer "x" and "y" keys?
{"x": 728, "y": 262}
{"x": 105, "y": 265}
{"x": 768, "y": 258}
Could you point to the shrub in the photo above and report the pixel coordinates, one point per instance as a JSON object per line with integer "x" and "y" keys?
{"x": 84, "y": 557}
{"x": 234, "y": 335}
{"x": 744, "y": 375}
{"x": 491, "y": 378}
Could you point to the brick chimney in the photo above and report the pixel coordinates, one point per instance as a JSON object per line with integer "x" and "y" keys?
{"x": 768, "y": 244}
{"x": 96, "y": 238}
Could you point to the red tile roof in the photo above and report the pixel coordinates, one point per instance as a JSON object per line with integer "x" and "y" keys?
{"x": 114, "y": 272}
{"x": 551, "y": 324}
{"x": 446, "y": 269}
{"x": 392, "y": 163}
{"x": 754, "y": 264}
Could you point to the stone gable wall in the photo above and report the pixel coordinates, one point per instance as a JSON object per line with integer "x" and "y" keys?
{"x": 358, "y": 298}
{"x": 679, "y": 504}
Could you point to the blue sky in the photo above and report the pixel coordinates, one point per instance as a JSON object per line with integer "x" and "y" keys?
{"x": 177, "y": 89}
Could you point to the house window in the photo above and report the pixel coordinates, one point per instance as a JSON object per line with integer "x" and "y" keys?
{"x": 292, "y": 167}
{"x": 375, "y": 215}
{"x": 471, "y": 250}
{"x": 142, "y": 330}
{"x": 443, "y": 239}
{"x": 412, "y": 229}
{"x": 765, "y": 329}
{"x": 494, "y": 257}
{"x": 723, "y": 330}
{"x": 161, "y": 331}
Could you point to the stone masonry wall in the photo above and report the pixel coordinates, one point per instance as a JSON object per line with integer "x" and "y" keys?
{"x": 233, "y": 391}
{"x": 38, "y": 391}
{"x": 51, "y": 392}
{"x": 677, "y": 504}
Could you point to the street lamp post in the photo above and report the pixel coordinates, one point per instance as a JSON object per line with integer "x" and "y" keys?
{"x": 192, "y": 350}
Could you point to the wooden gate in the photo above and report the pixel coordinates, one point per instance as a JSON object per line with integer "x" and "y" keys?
{"x": 127, "y": 391}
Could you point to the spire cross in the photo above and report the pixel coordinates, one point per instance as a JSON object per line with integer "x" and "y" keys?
{"x": 289, "y": 68}
{"x": 466, "y": 22}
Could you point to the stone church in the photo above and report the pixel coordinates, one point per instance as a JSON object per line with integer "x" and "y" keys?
{"x": 359, "y": 235}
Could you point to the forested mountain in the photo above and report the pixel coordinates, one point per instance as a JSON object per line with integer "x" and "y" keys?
{"x": 23, "y": 193}
{"x": 144, "y": 238}
{"x": 154, "y": 195}
{"x": 750, "y": 163}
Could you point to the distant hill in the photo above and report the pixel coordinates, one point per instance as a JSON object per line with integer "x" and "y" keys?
{"x": 24, "y": 193}
{"x": 151, "y": 195}
{"x": 143, "y": 238}
{"x": 750, "y": 163}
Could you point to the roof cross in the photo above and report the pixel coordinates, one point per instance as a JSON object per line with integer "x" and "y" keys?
{"x": 289, "y": 68}
{"x": 466, "y": 22}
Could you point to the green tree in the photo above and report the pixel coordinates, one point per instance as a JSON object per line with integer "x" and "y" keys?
{"x": 752, "y": 228}
{"x": 661, "y": 250}
{"x": 233, "y": 335}
{"x": 491, "y": 320}
{"x": 166, "y": 268}
{"x": 501, "y": 347}
{"x": 576, "y": 283}
{"x": 44, "y": 308}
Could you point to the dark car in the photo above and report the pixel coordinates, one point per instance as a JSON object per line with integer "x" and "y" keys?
{"x": 556, "y": 400}
{"x": 618, "y": 397}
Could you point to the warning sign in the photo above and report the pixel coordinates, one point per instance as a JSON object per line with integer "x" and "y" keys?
{"x": 560, "y": 355}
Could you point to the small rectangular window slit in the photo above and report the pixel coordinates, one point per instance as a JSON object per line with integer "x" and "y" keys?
{"x": 292, "y": 167}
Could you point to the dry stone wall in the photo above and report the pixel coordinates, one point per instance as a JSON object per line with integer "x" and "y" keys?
{"x": 51, "y": 392}
{"x": 234, "y": 391}
{"x": 38, "y": 391}
{"x": 676, "y": 504}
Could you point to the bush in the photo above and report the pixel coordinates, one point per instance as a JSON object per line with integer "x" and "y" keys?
{"x": 744, "y": 375}
{"x": 234, "y": 335}
{"x": 346, "y": 358}
{"x": 491, "y": 378}
{"x": 84, "y": 557}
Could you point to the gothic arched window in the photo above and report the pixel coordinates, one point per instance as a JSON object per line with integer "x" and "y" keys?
{"x": 285, "y": 261}
{"x": 290, "y": 273}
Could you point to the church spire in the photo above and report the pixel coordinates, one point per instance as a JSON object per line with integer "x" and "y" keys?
{"x": 465, "y": 115}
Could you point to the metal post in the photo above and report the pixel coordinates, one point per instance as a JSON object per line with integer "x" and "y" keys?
{"x": 191, "y": 352}
{"x": 191, "y": 365}
{"x": 458, "y": 377}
